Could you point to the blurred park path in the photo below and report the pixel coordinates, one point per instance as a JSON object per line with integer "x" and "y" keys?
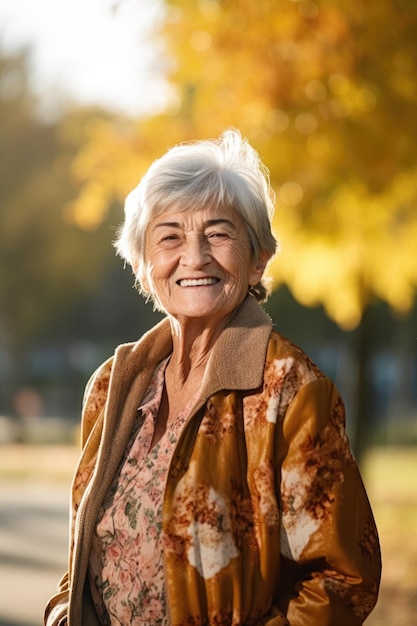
{"x": 34, "y": 502}
{"x": 34, "y": 496}
{"x": 33, "y": 545}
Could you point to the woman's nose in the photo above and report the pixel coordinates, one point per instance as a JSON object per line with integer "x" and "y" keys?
{"x": 195, "y": 252}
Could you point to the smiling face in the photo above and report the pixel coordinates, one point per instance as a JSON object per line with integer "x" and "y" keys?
{"x": 200, "y": 263}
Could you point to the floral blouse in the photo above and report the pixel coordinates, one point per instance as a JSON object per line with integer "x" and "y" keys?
{"x": 126, "y": 565}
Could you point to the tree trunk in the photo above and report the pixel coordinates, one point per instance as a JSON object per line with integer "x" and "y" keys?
{"x": 364, "y": 405}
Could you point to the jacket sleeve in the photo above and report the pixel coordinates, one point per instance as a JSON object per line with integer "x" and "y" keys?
{"x": 329, "y": 544}
{"x": 95, "y": 396}
{"x": 56, "y": 609}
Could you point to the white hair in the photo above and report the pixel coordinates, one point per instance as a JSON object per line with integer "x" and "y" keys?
{"x": 226, "y": 172}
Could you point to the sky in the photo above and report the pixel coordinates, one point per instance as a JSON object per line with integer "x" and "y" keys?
{"x": 94, "y": 51}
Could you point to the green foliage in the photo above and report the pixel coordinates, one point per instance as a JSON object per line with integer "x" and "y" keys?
{"x": 45, "y": 261}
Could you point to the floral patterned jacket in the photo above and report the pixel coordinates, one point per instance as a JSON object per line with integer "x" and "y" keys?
{"x": 266, "y": 520}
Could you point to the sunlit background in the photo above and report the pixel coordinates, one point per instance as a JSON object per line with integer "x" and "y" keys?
{"x": 91, "y": 91}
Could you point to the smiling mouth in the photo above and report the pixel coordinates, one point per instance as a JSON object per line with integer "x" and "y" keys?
{"x": 197, "y": 282}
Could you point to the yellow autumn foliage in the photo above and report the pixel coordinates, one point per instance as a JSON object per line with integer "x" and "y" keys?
{"x": 326, "y": 91}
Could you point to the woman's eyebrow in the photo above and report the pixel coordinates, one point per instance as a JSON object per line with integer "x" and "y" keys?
{"x": 220, "y": 220}
{"x": 167, "y": 224}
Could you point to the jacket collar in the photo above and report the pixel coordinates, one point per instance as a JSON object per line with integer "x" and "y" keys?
{"x": 236, "y": 362}
{"x": 238, "y": 357}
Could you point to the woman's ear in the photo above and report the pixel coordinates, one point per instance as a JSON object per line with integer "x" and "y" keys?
{"x": 259, "y": 268}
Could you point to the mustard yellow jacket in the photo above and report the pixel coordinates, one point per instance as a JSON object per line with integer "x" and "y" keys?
{"x": 266, "y": 520}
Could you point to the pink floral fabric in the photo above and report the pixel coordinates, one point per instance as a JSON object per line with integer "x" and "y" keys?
{"x": 126, "y": 563}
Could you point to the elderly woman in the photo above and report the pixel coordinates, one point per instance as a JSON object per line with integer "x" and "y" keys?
{"x": 216, "y": 484}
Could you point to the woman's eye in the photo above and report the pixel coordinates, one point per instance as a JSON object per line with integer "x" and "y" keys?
{"x": 170, "y": 240}
{"x": 217, "y": 237}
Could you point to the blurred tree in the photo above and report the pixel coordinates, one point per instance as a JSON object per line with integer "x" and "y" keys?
{"x": 327, "y": 92}
{"x": 46, "y": 262}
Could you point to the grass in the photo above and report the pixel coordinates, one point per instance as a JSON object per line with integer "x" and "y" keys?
{"x": 38, "y": 463}
{"x": 390, "y": 476}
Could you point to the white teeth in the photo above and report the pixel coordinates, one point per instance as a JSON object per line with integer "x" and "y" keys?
{"x": 194, "y": 282}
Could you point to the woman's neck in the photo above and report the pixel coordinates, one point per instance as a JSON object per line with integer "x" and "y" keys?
{"x": 192, "y": 345}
